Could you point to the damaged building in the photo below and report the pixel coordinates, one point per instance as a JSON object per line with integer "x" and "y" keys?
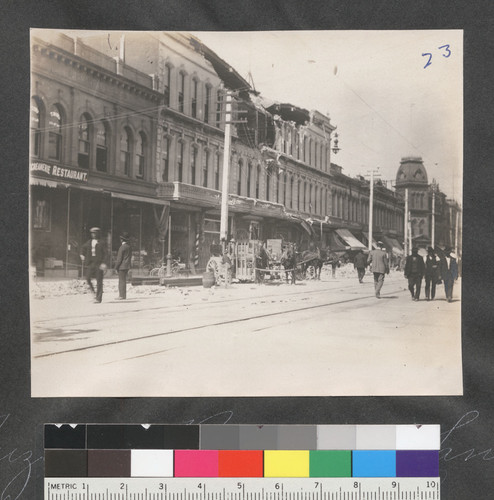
{"x": 127, "y": 134}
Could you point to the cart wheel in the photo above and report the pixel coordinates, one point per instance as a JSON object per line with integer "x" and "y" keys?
{"x": 213, "y": 266}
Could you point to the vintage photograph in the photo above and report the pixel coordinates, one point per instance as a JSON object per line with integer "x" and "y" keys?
{"x": 246, "y": 213}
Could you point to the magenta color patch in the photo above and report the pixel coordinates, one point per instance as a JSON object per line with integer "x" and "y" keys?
{"x": 196, "y": 463}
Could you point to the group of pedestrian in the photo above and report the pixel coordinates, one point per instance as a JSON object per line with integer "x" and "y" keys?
{"x": 93, "y": 256}
{"x": 435, "y": 269}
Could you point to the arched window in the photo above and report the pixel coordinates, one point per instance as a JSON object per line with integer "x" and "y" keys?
{"x": 180, "y": 161}
{"x": 193, "y": 163}
{"x": 258, "y": 180}
{"x": 181, "y": 91}
{"x": 240, "y": 174}
{"x": 101, "y": 148}
{"x": 167, "y": 83}
{"x": 249, "y": 178}
{"x": 205, "y": 168}
{"x": 125, "y": 150}
{"x": 36, "y": 119}
{"x": 84, "y": 142}
{"x": 268, "y": 178}
{"x": 299, "y": 184}
{"x": 310, "y": 152}
{"x": 166, "y": 158}
{"x": 55, "y": 134}
{"x": 305, "y": 150}
{"x": 141, "y": 155}
{"x": 207, "y": 103}
{"x": 277, "y": 187}
{"x": 195, "y": 86}
{"x": 292, "y": 180}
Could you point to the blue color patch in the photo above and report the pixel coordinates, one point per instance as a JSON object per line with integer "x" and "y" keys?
{"x": 374, "y": 463}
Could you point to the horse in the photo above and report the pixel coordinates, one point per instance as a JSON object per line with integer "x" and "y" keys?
{"x": 289, "y": 262}
{"x": 312, "y": 262}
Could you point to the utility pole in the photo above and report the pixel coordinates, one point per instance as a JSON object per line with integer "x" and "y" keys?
{"x": 371, "y": 206}
{"x": 433, "y": 229}
{"x": 405, "y": 229}
{"x": 226, "y": 172}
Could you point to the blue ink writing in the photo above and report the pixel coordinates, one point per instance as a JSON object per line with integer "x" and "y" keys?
{"x": 445, "y": 48}
{"x": 430, "y": 58}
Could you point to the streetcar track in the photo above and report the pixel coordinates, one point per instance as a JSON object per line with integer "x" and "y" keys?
{"x": 220, "y": 323}
{"x": 176, "y": 308}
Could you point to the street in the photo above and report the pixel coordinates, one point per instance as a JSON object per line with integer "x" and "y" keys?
{"x": 318, "y": 338}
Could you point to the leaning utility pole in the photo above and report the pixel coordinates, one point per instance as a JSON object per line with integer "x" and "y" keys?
{"x": 371, "y": 206}
{"x": 226, "y": 172}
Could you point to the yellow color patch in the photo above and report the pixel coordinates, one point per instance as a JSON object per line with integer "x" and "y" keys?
{"x": 286, "y": 463}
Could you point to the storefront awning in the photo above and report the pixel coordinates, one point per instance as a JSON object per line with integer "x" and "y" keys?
{"x": 37, "y": 181}
{"x": 142, "y": 199}
{"x": 374, "y": 244}
{"x": 350, "y": 239}
{"x": 393, "y": 245}
{"x": 335, "y": 244}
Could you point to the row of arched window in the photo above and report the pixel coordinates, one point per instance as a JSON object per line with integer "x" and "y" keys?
{"x": 50, "y": 141}
{"x": 303, "y": 147}
{"x": 418, "y": 200}
{"x": 357, "y": 210}
{"x": 189, "y": 95}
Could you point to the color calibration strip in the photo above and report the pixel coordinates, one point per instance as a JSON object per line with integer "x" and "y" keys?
{"x": 254, "y": 451}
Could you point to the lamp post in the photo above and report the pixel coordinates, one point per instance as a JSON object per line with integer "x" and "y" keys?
{"x": 371, "y": 205}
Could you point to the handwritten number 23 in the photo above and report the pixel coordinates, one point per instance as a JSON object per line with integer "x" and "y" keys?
{"x": 447, "y": 53}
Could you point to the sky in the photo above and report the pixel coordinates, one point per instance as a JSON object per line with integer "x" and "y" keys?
{"x": 385, "y": 97}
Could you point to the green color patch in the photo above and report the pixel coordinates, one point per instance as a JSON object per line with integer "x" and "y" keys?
{"x": 330, "y": 463}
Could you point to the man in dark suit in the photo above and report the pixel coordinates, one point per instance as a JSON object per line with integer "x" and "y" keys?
{"x": 449, "y": 273}
{"x": 360, "y": 263}
{"x": 414, "y": 272}
{"x": 122, "y": 265}
{"x": 432, "y": 271}
{"x": 93, "y": 255}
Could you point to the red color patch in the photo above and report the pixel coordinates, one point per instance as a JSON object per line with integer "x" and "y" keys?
{"x": 241, "y": 463}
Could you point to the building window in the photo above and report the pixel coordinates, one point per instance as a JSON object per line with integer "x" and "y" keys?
{"x": 305, "y": 149}
{"x": 55, "y": 134}
{"x": 217, "y": 173}
{"x": 278, "y": 187}
{"x": 258, "y": 180}
{"x": 42, "y": 215}
{"x": 249, "y": 177}
{"x": 207, "y": 104}
{"x": 181, "y": 92}
{"x": 180, "y": 164}
{"x": 268, "y": 179}
{"x": 125, "y": 151}
{"x": 194, "y": 98}
{"x": 141, "y": 155}
{"x": 310, "y": 151}
{"x": 193, "y": 163}
{"x": 101, "y": 148}
{"x": 166, "y": 155}
{"x": 299, "y": 184}
{"x": 291, "y": 192}
{"x": 167, "y": 81}
{"x": 240, "y": 174}
{"x": 205, "y": 168}
{"x": 84, "y": 142}
{"x": 219, "y": 105}
{"x": 35, "y": 127}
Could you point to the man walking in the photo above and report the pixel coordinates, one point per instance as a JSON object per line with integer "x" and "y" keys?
{"x": 379, "y": 263}
{"x": 414, "y": 271}
{"x": 93, "y": 254}
{"x": 431, "y": 273}
{"x": 449, "y": 273}
{"x": 360, "y": 263}
{"x": 122, "y": 265}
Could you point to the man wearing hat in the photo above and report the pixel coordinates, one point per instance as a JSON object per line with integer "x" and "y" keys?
{"x": 449, "y": 273}
{"x": 93, "y": 256}
{"x": 379, "y": 264}
{"x": 431, "y": 273}
{"x": 122, "y": 265}
{"x": 414, "y": 272}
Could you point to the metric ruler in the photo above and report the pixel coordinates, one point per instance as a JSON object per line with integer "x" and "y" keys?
{"x": 366, "y": 488}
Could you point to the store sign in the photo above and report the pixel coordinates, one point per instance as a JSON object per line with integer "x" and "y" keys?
{"x": 56, "y": 172}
